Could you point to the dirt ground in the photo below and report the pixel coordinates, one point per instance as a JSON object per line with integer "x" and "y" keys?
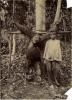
{"x": 17, "y": 88}
{"x": 32, "y": 91}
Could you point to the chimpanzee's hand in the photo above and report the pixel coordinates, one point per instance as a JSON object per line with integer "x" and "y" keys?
{"x": 45, "y": 61}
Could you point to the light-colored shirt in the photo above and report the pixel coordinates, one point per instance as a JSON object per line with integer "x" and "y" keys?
{"x": 52, "y": 50}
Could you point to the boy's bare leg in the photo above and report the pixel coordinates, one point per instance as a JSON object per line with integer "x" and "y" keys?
{"x": 55, "y": 66}
{"x": 49, "y": 72}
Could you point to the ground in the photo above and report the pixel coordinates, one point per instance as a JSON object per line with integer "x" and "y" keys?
{"x": 31, "y": 91}
{"x": 14, "y": 86}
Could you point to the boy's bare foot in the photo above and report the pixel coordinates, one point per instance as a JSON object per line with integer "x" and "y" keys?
{"x": 56, "y": 83}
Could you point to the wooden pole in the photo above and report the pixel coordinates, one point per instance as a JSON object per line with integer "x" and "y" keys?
{"x": 14, "y": 35}
{"x": 10, "y": 48}
{"x": 14, "y": 46}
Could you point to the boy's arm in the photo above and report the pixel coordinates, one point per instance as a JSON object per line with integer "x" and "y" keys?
{"x": 60, "y": 51}
{"x": 45, "y": 50}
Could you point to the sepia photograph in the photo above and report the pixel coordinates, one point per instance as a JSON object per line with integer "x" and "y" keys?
{"x": 35, "y": 49}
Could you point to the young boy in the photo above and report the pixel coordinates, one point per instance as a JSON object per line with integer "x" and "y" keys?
{"x": 52, "y": 58}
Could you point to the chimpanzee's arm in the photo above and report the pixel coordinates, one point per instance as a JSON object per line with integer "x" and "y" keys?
{"x": 25, "y": 30}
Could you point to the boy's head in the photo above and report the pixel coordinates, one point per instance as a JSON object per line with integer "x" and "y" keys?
{"x": 53, "y": 35}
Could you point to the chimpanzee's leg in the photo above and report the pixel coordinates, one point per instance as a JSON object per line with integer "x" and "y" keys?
{"x": 29, "y": 65}
{"x": 38, "y": 71}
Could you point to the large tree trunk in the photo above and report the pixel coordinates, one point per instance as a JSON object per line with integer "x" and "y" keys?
{"x": 57, "y": 16}
{"x": 40, "y": 15}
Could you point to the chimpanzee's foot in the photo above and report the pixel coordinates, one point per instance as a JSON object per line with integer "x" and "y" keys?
{"x": 50, "y": 82}
{"x": 38, "y": 78}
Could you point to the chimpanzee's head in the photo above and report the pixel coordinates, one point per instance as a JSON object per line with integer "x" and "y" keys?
{"x": 36, "y": 38}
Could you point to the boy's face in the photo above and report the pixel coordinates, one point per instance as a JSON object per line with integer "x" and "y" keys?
{"x": 52, "y": 36}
